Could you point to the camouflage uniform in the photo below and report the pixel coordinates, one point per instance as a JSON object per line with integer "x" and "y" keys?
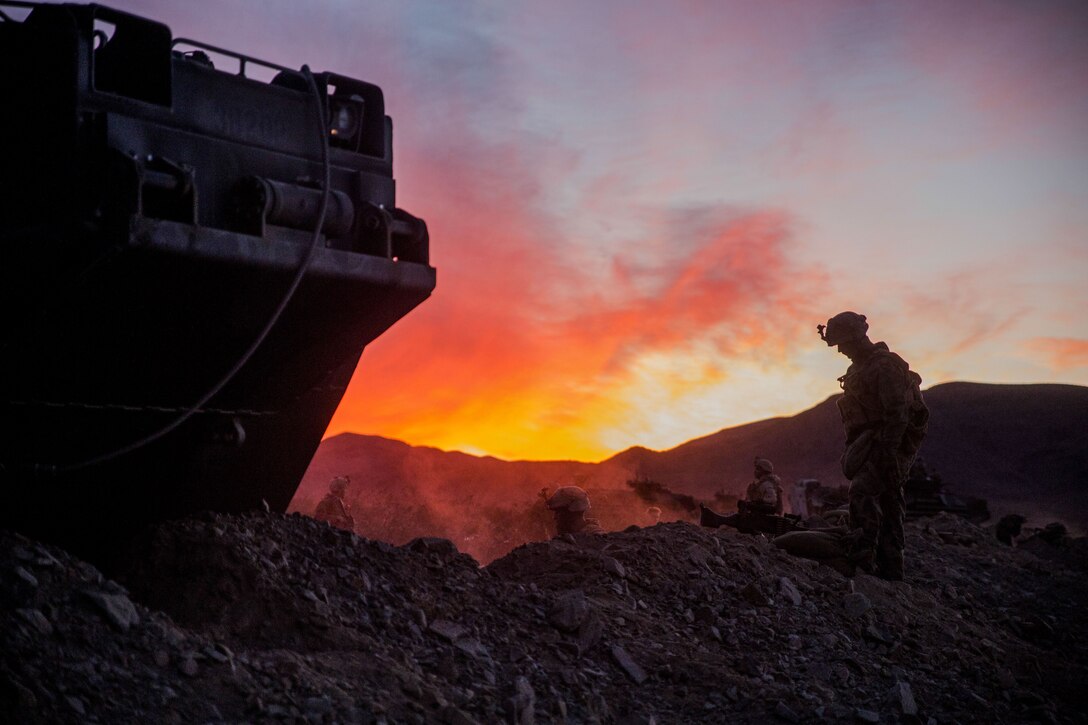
{"x": 332, "y": 509}
{"x": 766, "y": 490}
{"x": 885, "y": 421}
{"x": 569, "y": 505}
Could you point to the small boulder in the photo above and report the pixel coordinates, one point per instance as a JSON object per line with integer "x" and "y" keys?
{"x": 569, "y": 611}
{"x": 856, "y": 604}
{"x": 788, "y": 590}
{"x": 628, "y": 665}
{"x": 118, "y": 609}
{"x": 902, "y": 698}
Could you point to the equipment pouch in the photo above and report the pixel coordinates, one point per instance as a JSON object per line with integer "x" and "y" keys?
{"x": 857, "y": 453}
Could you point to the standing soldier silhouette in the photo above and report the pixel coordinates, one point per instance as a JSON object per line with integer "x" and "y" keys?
{"x": 885, "y": 420}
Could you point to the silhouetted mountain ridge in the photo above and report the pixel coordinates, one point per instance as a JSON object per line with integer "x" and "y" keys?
{"x": 1022, "y": 447}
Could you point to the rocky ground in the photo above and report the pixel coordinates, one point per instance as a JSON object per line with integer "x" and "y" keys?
{"x": 263, "y": 617}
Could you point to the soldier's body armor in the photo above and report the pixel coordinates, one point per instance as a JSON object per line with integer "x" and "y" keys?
{"x": 881, "y": 390}
{"x": 333, "y": 510}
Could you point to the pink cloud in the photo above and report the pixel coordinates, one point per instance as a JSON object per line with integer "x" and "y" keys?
{"x": 962, "y": 306}
{"x": 1062, "y": 353}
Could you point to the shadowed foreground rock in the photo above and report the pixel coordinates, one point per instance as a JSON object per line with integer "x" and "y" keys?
{"x": 268, "y": 618}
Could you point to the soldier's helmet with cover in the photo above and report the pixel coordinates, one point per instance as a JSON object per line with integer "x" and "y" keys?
{"x": 339, "y": 485}
{"x": 843, "y": 327}
{"x": 571, "y": 498}
{"x": 764, "y": 466}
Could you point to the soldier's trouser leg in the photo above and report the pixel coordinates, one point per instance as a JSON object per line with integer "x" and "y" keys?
{"x": 866, "y": 513}
{"x": 890, "y": 545}
{"x": 889, "y": 549}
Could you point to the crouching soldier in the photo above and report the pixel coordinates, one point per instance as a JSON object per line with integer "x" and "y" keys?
{"x": 761, "y": 511}
{"x": 765, "y": 491}
{"x": 569, "y": 505}
{"x": 332, "y": 508}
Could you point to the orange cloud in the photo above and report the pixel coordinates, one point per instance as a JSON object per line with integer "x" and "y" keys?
{"x": 1064, "y": 353}
{"x": 522, "y": 356}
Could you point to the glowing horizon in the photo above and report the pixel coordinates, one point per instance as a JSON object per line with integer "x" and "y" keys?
{"x": 639, "y": 215}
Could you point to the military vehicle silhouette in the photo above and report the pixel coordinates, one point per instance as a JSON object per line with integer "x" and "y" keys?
{"x": 193, "y": 260}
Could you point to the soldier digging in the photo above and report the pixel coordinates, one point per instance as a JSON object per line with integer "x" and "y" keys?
{"x": 332, "y": 508}
{"x": 885, "y": 420}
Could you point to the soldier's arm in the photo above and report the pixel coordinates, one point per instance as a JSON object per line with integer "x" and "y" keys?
{"x": 767, "y": 494}
{"x": 894, "y": 402}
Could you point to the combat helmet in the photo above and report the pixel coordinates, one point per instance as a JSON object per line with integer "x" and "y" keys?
{"x": 571, "y": 498}
{"x": 843, "y": 327}
{"x": 339, "y": 485}
{"x": 764, "y": 465}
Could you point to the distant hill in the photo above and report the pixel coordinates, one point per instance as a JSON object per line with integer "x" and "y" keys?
{"x": 1022, "y": 447}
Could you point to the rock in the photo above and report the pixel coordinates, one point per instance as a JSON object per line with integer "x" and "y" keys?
{"x": 629, "y": 666}
{"x": 188, "y": 666}
{"x": 317, "y": 706}
{"x": 699, "y": 641}
{"x": 878, "y": 634}
{"x": 866, "y": 715}
{"x": 432, "y": 545}
{"x": 753, "y": 593}
{"x": 589, "y": 633}
{"x": 411, "y": 687}
{"x": 76, "y": 704}
{"x": 788, "y": 591}
{"x": 117, "y": 608}
{"x": 613, "y": 566}
{"x": 26, "y": 576}
{"x": 453, "y": 715}
{"x": 569, "y": 611}
{"x": 856, "y": 604}
{"x": 706, "y": 614}
{"x": 214, "y": 654}
{"x": 473, "y": 648}
{"x": 449, "y": 631}
{"x": 902, "y": 698}
{"x": 520, "y": 707}
{"x": 36, "y": 619}
{"x": 1006, "y": 679}
{"x": 783, "y": 712}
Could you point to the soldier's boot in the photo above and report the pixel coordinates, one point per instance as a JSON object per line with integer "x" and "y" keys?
{"x": 864, "y": 560}
{"x": 889, "y": 563}
{"x": 860, "y": 551}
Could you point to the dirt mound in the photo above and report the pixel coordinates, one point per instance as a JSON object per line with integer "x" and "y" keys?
{"x": 266, "y": 617}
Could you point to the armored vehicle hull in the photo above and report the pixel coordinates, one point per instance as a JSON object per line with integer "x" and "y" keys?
{"x": 192, "y": 263}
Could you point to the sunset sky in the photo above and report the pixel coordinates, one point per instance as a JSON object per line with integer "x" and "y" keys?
{"x": 640, "y": 211}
